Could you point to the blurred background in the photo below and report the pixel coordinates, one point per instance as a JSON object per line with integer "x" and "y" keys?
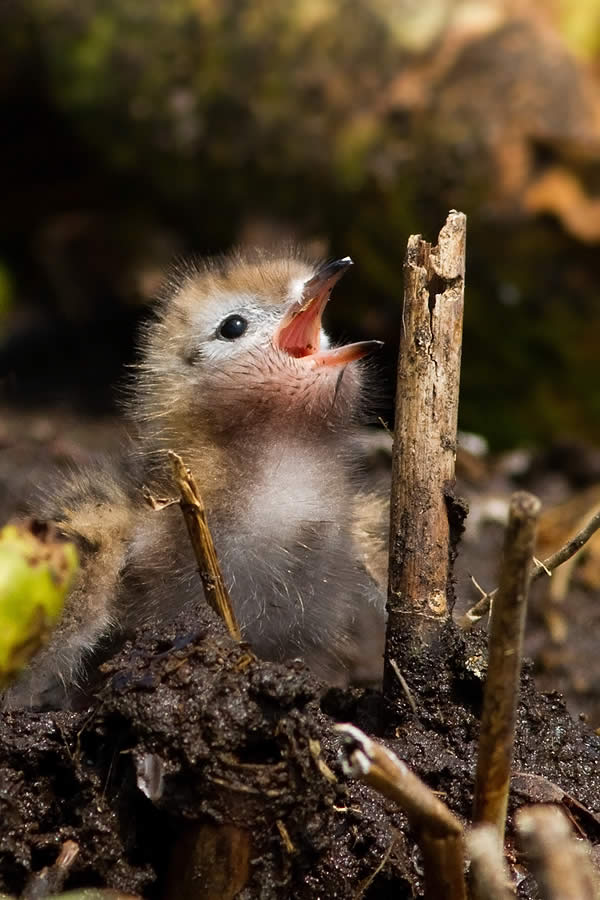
{"x": 135, "y": 132}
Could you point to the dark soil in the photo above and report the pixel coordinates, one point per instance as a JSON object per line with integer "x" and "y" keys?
{"x": 191, "y": 737}
{"x": 214, "y": 736}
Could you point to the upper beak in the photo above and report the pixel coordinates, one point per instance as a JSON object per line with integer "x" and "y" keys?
{"x": 299, "y": 333}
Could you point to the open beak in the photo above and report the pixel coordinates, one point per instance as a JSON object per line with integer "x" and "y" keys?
{"x": 300, "y": 332}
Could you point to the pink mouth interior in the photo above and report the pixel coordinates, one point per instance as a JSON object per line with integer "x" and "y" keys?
{"x": 301, "y": 336}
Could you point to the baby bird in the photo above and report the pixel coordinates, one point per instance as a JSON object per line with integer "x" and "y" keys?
{"x": 239, "y": 378}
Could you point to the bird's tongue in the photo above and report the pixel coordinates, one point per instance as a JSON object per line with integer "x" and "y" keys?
{"x": 299, "y": 333}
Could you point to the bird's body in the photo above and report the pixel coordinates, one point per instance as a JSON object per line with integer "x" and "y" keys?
{"x": 237, "y": 377}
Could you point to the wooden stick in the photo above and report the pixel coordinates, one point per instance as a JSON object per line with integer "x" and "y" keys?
{"x": 489, "y": 878}
{"x": 209, "y": 861}
{"x": 561, "y": 864}
{"x": 439, "y": 832}
{"x": 194, "y": 514}
{"x": 424, "y": 444}
{"x": 501, "y": 694}
{"x": 569, "y": 549}
{"x": 482, "y": 607}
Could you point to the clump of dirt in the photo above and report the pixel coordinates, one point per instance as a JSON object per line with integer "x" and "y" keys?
{"x": 190, "y": 730}
{"x": 189, "y": 727}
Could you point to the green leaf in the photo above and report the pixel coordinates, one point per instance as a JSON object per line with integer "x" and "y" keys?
{"x": 36, "y": 571}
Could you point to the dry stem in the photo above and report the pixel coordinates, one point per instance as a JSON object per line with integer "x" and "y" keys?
{"x": 489, "y": 878}
{"x": 504, "y": 666}
{"x": 546, "y": 567}
{"x": 424, "y": 444}
{"x": 560, "y": 863}
{"x": 440, "y": 833}
{"x": 194, "y": 514}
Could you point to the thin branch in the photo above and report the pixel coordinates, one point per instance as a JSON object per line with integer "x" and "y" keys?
{"x": 476, "y": 584}
{"x": 194, "y": 514}
{"x": 572, "y": 546}
{"x": 561, "y": 864}
{"x": 404, "y": 686}
{"x": 489, "y": 878}
{"x": 439, "y": 831}
{"x": 504, "y": 666}
{"x": 545, "y": 567}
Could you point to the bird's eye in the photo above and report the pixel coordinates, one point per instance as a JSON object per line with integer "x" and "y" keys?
{"x": 232, "y": 327}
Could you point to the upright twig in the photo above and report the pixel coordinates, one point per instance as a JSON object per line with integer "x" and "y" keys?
{"x": 560, "y": 863}
{"x": 488, "y": 877}
{"x": 439, "y": 832}
{"x": 209, "y": 861}
{"x": 424, "y": 444}
{"x": 504, "y": 665}
{"x": 194, "y": 514}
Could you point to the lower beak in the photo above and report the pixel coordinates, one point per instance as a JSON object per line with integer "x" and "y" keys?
{"x": 340, "y": 356}
{"x": 299, "y": 333}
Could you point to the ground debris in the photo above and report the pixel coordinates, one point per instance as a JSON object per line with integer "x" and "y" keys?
{"x": 182, "y": 736}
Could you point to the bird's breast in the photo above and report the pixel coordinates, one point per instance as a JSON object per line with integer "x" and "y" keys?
{"x": 282, "y": 527}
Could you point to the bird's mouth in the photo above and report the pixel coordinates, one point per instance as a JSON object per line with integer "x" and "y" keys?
{"x": 300, "y": 332}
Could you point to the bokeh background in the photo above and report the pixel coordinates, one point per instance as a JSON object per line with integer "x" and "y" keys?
{"x": 134, "y": 132}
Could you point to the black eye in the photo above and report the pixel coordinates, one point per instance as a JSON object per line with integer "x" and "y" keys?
{"x": 232, "y": 327}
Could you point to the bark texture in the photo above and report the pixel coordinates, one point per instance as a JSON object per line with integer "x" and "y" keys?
{"x": 501, "y": 697}
{"x": 419, "y": 595}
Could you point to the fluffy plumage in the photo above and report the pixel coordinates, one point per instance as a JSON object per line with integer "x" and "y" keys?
{"x": 264, "y": 412}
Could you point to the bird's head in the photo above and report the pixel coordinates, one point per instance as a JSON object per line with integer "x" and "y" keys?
{"x": 239, "y": 343}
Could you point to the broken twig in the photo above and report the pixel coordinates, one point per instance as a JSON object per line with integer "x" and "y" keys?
{"x": 545, "y": 567}
{"x": 501, "y": 694}
{"x": 572, "y": 546}
{"x": 439, "y": 831}
{"x": 561, "y": 864}
{"x": 424, "y": 446}
{"x": 194, "y": 514}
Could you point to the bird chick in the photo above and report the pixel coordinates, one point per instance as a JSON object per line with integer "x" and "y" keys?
{"x": 239, "y": 378}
